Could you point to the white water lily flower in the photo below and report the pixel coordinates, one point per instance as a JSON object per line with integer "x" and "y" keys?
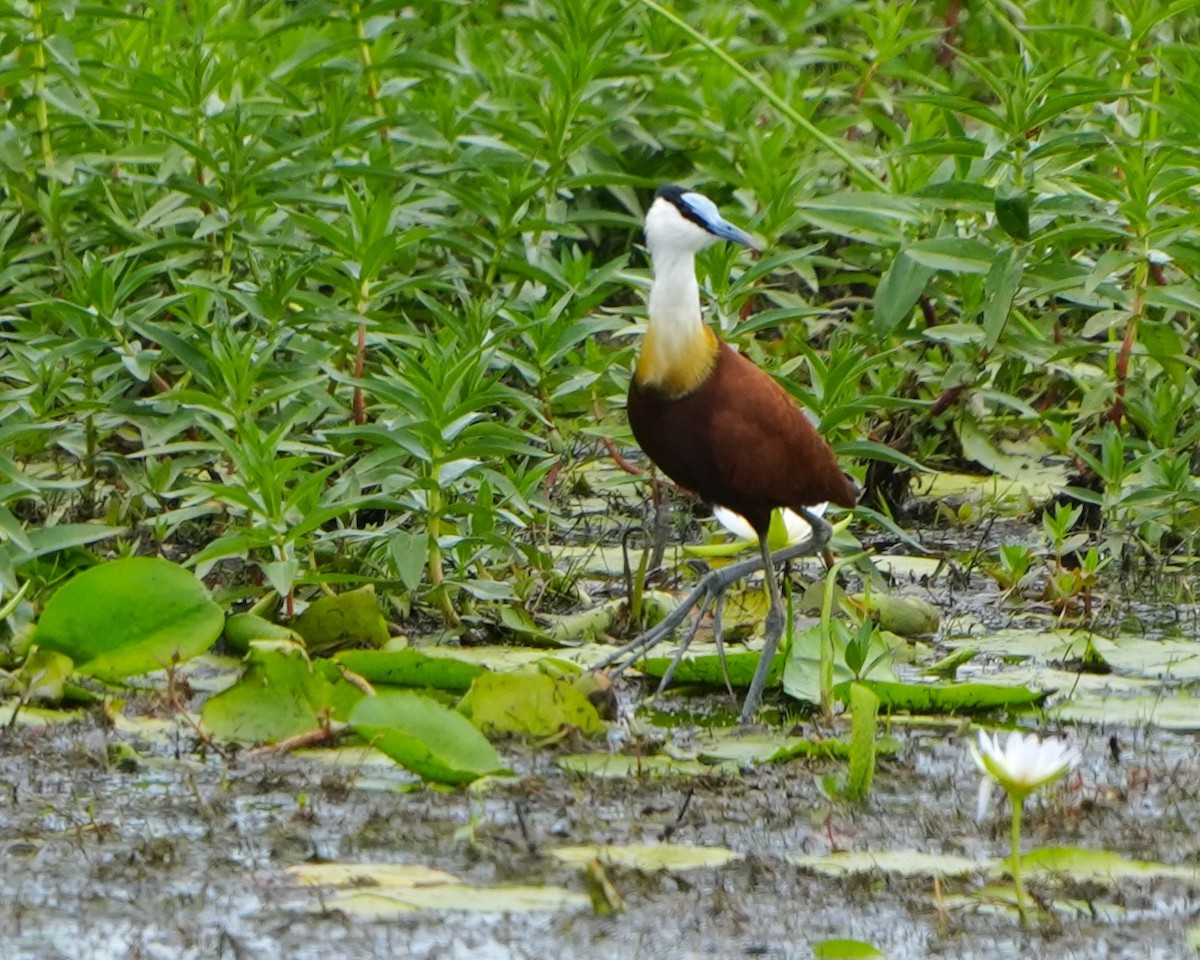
{"x": 795, "y": 527}
{"x": 1021, "y": 766}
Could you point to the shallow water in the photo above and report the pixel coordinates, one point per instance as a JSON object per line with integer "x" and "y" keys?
{"x": 183, "y": 858}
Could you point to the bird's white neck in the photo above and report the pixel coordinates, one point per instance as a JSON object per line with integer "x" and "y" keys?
{"x": 674, "y": 308}
{"x": 679, "y": 351}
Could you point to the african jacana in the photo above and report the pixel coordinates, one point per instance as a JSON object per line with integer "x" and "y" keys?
{"x": 709, "y": 418}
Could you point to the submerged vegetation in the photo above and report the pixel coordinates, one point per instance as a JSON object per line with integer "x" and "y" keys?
{"x": 334, "y": 305}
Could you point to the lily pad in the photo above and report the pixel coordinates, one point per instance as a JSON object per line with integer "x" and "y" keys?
{"x": 1084, "y": 865}
{"x": 411, "y": 668}
{"x": 779, "y": 748}
{"x": 1166, "y": 713}
{"x": 706, "y": 669}
{"x": 381, "y": 890}
{"x": 432, "y": 741}
{"x": 455, "y": 898}
{"x": 350, "y": 619}
{"x": 648, "y": 857}
{"x": 952, "y": 697}
{"x": 282, "y": 694}
{"x": 904, "y": 863}
{"x": 614, "y": 765}
{"x": 838, "y": 949}
{"x": 129, "y": 616}
{"x": 528, "y": 704}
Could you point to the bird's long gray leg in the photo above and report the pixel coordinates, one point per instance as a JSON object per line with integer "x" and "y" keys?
{"x": 773, "y": 630}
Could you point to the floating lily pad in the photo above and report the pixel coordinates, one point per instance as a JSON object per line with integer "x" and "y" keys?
{"x": 411, "y": 668}
{"x": 1166, "y": 713}
{"x": 648, "y": 857}
{"x": 1084, "y": 865}
{"x": 129, "y": 616}
{"x": 905, "y": 863}
{"x": 621, "y": 765}
{"x": 706, "y": 669}
{"x": 844, "y": 950}
{"x": 455, "y": 898}
{"x": 528, "y": 704}
{"x": 382, "y": 890}
{"x": 952, "y": 697}
{"x": 350, "y": 619}
{"x": 432, "y": 741}
{"x": 779, "y": 748}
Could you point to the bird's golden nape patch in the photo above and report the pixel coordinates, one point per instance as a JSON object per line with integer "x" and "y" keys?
{"x": 674, "y": 367}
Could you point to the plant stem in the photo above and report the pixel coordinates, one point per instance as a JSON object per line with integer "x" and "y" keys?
{"x": 39, "y": 84}
{"x": 1018, "y": 804}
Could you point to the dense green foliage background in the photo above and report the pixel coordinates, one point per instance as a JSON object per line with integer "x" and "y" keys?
{"x": 980, "y": 227}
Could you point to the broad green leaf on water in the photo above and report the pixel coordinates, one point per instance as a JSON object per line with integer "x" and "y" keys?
{"x": 619, "y": 765}
{"x": 1034, "y": 481}
{"x": 951, "y": 697}
{"x": 802, "y": 674}
{"x": 410, "y": 668}
{"x": 242, "y": 628}
{"x": 528, "y": 704}
{"x": 1097, "y": 866}
{"x": 844, "y": 950}
{"x": 28, "y": 716}
{"x": 382, "y": 890}
{"x": 648, "y": 857}
{"x": 514, "y": 658}
{"x": 909, "y": 567}
{"x": 350, "y": 619}
{"x": 452, "y": 898}
{"x": 43, "y": 676}
{"x": 281, "y": 695}
{"x": 707, "y": 670}
{"x": 1152, "y": 710}
{"x": 905, "y": 863}
{"x": 128, "y": 617}
{"x": 905, "y": 616}
{"x": 779, "y": 748}
{"x": 367, "y": 875}
{"x": 1193, "y": 938}
{"x": 432, "y": 741}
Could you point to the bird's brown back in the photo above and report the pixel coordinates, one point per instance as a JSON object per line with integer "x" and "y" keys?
{"x": 740, "y": 441}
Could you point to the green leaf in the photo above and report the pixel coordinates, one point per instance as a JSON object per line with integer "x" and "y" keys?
{"x": 899, "y": 290}
{"x": 708, "y": 671}
{"x": 1012, "y": 213}
{"x": 411, "y": 668}
{"x": 350, "y": 619}
{"x": 410, "y": 553}
{"x": 999, "y": 291}
{"x": 837, "y": 949}
{"x": 952, "y": 698}
{"x": 953, "y": 255}
{"x": 432, "y": 741}
{"x": 864, "y": 706}
{"x": 528, "y": 704}
{"x": 128, "y": 617}
{"x": 282, "y": 694}
{"x": 241, "y": 629}
{"x": 904, "y": 863}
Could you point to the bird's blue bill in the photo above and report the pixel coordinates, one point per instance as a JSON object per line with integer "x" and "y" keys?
{"x": 707, "y": 211}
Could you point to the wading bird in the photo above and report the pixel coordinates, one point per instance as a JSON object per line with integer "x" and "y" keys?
{"x": 710, "y": 419}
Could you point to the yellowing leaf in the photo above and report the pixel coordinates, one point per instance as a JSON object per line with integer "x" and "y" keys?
{"x": 648, "y": 857}
{"x": 528, "y": 704}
